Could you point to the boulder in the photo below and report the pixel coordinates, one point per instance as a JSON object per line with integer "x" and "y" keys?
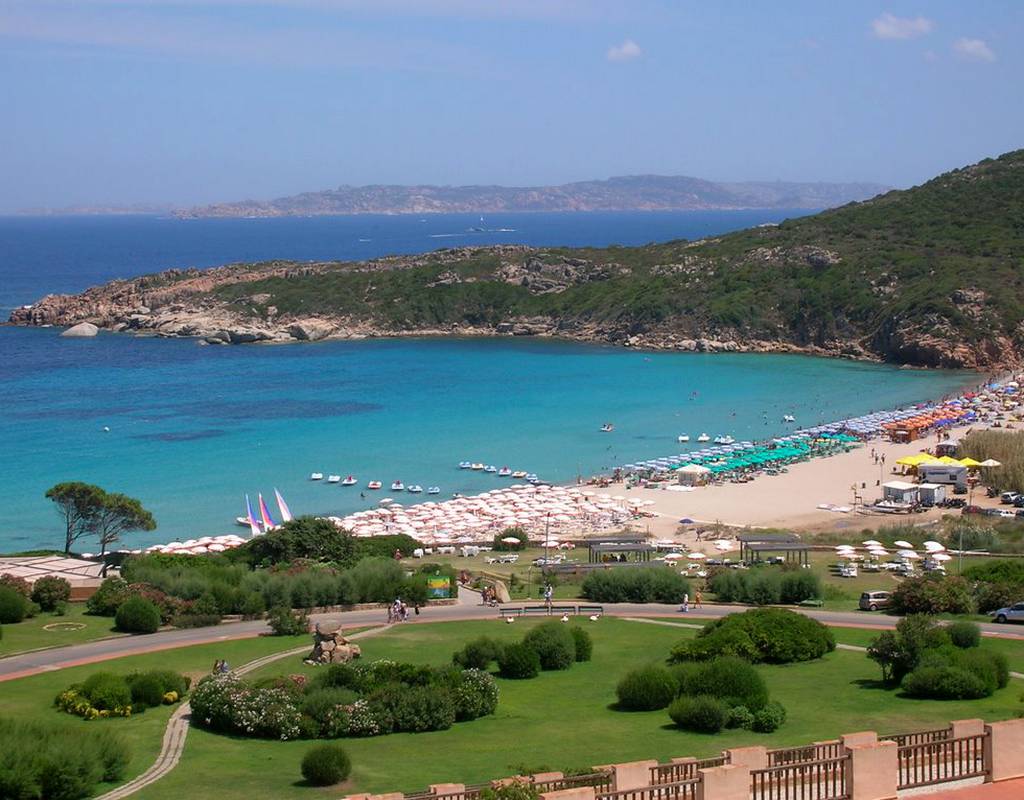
{"x": 81, "y": 330}
{"x": 310, "y": 330}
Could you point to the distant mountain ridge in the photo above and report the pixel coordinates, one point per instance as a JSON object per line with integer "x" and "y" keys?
{"x": 628, "y": 193}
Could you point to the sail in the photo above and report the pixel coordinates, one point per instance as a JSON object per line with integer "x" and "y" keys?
{"x": 254, "y": 524}
{"x": 268, "y": 521}
{"x": 286, "y": 513}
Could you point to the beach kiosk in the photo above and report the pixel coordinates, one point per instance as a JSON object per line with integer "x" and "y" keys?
{"x": 693, "y": 474}
{"x": 901, "y": 492}
{"x": 948, "y": 474}
{"x": 931, "y": 494}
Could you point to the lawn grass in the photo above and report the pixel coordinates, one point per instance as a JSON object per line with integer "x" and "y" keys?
{"x": 32, "y": 698}
{"x": 31, "y": 634}
{"x": 559, "y": 720}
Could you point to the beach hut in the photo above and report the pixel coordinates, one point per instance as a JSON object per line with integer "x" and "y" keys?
{"x": 693, "y": 474}
{"x": 900, "y": 492}
{"x": 931, "y": 494}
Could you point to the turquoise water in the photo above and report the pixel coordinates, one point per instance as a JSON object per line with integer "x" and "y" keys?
{"x": 193, "y": 428}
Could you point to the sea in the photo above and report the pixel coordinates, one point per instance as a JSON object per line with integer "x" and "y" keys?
{"x": 190, "y": 430}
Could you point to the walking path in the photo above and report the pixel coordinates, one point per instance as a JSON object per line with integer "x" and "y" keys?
{"x": 25, "y": 664}
{"x": 177, "y": 727}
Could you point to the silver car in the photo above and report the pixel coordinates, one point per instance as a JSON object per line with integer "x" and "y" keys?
{"x": 1014, "y": 613}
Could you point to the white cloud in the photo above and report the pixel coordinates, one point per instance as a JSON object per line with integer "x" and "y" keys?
{"x": 973, "y": 50}
{"x": 889, "y": 26}
{"x": 626, "y": 51}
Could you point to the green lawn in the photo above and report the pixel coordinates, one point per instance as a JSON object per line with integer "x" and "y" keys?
{"x": 32, "y": 634}
{"x": 33, "y": 697}
{"x": 558, "y": 720}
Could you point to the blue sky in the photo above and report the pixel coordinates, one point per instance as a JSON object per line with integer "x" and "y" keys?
{"x": 120, "y": 101}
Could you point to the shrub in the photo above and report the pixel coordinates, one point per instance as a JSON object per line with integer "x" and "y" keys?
{"x": 701, "y": 713}
{"x": 106, "y": 691}
{"x": 898, "y": 652}
{"x": 930, "y": 594}
{"x": 20, "y": 585}
{"x": 13, "y": 606}
{"x": 992, "y": 596}
{"x": 641, "y": 585}
{"x": 646, "y": 689}
{"x": 1005, "y": 570}
{"x": 764, "y": 588}
{"x": 800, "y": 586}
{"x": 740, "y": 717}
{"x": 554, "y": 643}
{"x": 105, "y": 600}
{"x": 146, "y": 691}
{"x": 50, "y": 590}
{"x": 769, "y": 718}
{"x": 415, "y": 709}
{"x": 965, "y": 634}
{"x": 518, "y": 661}
{"x": 519, "y": 789}
{"x": 477, "y": 654}
{"x": 584, "y": 643}
{"x": 944, "y": 683}
{"x": 285, "y": 622}
{"x": 772, "y": 635}
{"x": 39, "y": 762}
{"x": 170, "y": 681}
{"x": 225, "y": 703}
{"x": 475, "y": 694}
{"x": 137, "y": 615}
{"x": 730, "y": 679}
{"x": 325, "y": 765}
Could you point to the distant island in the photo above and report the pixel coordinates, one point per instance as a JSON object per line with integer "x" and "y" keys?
{"x": 630, "y": 193}
{"x": 928, "y": 276}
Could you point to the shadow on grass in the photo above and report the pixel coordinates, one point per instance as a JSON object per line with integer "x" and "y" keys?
{"x": 872, "y": 683}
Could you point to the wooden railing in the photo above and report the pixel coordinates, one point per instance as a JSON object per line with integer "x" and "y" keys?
{"x": 676, "y": 790}
{"x": 918, "y": 737}
{"x": 683, "y": 771}
{"x": 601, "y": 781}
{"x": 823, "y": 779}
{"x": 811, "y": 752}
{"x": 941, "y": 761}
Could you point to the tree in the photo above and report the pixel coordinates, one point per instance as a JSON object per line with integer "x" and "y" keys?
{"x": 78, "y": 504}
{"x": 304, "y": 537}
{"x": 120, "y": 514}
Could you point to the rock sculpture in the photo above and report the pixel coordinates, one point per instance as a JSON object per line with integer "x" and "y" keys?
{"x": 330, "y": 646}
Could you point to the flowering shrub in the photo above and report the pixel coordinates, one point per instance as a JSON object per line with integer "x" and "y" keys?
{"x": 368, "y": 719}
{"x": 104, "y": 694}
{"x": 227, "y": 704}
{"x": 475, "y": 694}
{"x": 74, "y": 701}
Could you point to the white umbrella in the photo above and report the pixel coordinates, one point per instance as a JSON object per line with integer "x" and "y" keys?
{"x": 696, "y": 556}
{"x": 942, "y": 557}
{"x": 990, "y": 462}
{"x": 510, "y": 540}
{"x": 673, "y": 556}
{"x": 872, "y": 542}
{"x": 901, "y": 543}
{"x": 909, "y": 556}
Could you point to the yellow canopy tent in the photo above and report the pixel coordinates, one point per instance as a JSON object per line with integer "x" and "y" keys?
{"x": 951, "y": 461}
{"x": 970, "y": 462}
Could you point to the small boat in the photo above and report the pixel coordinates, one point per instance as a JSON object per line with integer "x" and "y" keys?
{"x": 788, "y": 418}
{"x": 504, "y": 472}
{"x": 490, "y": 468}
{"x": 334, "y": 479}
{"x": 349, "y": 481}
{"x": 531, "y": 477}
{"x": 724, "y": 440}
{"x": 465, "y": 465}
{"x": 316, "y": 476}
{"x": 607, "y": 428}
{"x": 414, "y": 488}
{"x": 457, "y": 495}
{"x": 243, "y": 521}
{"x": 703, "y": 438}
{"x": 683, "y": 437}
{"x": 433, "y": 490}
{"x": 385, "y": 501}
{"x": 476, "y": 465}
{"x": 519, "y": 474}
{"x": 374, "y": 485}
{"x": 397, "y": 486}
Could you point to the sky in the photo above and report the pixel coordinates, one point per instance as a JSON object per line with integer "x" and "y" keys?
{"x": 195, "y": 101}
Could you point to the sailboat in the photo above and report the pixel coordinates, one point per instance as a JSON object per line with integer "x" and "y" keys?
{"x": 282, "y": 506}
{"x": 268, "y": 521}
{"x": 254, "y": 524}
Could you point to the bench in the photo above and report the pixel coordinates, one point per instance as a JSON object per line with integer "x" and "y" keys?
{"x": 811, "y": 603}
{"x": 559, "y": 610}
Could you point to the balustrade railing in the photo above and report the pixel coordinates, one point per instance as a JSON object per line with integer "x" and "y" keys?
{"x": 683, "y": 770}
{"x": 676, "y": 790}
{"x": 927, "y": 763}
{"x": 822, "y": 779}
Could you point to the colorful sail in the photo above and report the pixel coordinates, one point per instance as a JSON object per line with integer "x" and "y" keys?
{"x": 286, "y": 513}
{"x": 254, "y": 524}
{"x": 268, "y": 521}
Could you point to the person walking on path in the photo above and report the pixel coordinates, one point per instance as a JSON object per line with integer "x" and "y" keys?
{"x": 696, "y": 599}
{"x": 686, "y": 603}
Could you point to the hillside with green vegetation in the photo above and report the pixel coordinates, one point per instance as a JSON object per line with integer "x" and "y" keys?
{"x": 930, "y": 276}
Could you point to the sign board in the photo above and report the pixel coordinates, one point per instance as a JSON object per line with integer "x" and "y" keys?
{"x": 439, "y": 588}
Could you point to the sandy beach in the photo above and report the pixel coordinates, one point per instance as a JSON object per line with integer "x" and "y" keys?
{"x": 790, "y": 500}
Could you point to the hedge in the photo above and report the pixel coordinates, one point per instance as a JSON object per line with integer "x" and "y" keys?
{"x": 519, "y": 661}
{"x": 771, "y": 635}
{"x": 635, "y": 585}
{"x": 701, "y": 713}
{"x": 137, "y": 615}
{"x": 646, "y": 689}
{"x": 554, "y": 644}
{"x": 326, "y": 765}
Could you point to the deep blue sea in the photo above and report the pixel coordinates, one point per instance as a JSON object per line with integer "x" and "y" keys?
{"x": 194, "y": 428}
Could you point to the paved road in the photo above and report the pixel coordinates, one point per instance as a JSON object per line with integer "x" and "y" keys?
{"x": 73, "y": 655}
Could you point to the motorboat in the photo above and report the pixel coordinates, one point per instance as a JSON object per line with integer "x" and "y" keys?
{"x": 476, "y": 465}
{"x": 607, "y": 428}
{"x": 531, "y": 477}
{"x": 465, "y": 465}
{"x": 504, "y": 472}
{"x": 703, "y": 438}
{"x": 349, "y": 481}
{"x": 491, "y": 469}
{"x": 334, "y": 479}
{"x": 374, "y": 485}
{"x": 385, "y": 501}
{"x": 243, "y": 521}
{"x": 414, "y": 488}
{"x": 316, "y": 476}
{"x": 397, "y": 486}
{"x": 788, "y": 418}
{"x": 519, "y": 474}
{"x": 724, "y": 440}
{"x": 683, "y": 437}
{"x": 433, "y": 490}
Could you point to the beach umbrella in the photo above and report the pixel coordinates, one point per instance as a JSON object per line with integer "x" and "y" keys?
{"x": 941, "y": 557}
{"x": 901, "y": 543}
{"x": 990, "y": 462}
{"x": 696, "y": 556}
{"x": 510, "y": 540}
{"x": 872, "y": 542}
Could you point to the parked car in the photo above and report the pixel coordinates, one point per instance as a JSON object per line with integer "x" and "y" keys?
{"x": 972, "y": 510}
{"x": 1014, "y": 613}
{"x": 992, "y": 512}
{"x": 1006, "y": 498}
{"x": 872, "y": 601}
{"x": 1019, "y": 513}
{"x": 1019, "y": 501}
